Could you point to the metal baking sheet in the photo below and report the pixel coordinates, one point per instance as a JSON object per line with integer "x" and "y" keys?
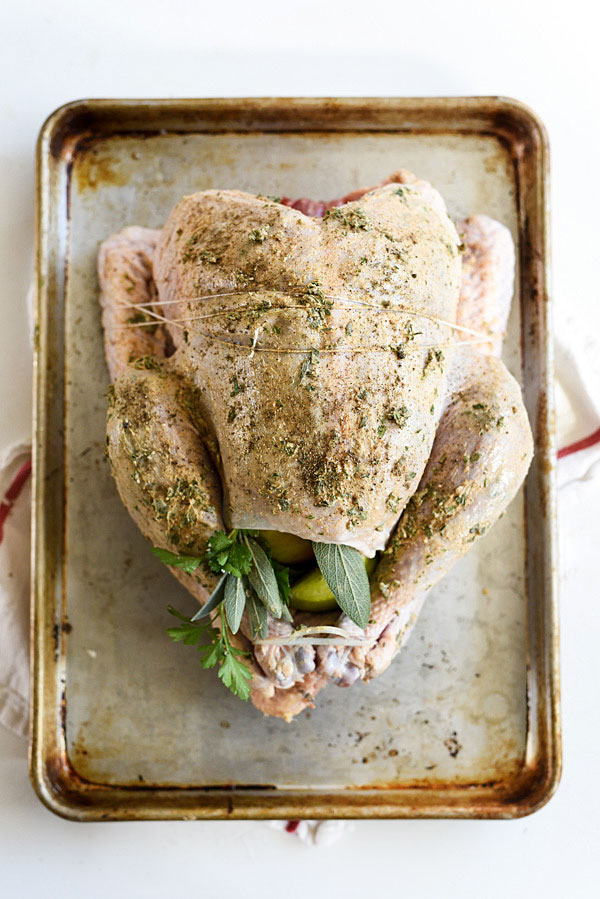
{"x": 125, "y": 723}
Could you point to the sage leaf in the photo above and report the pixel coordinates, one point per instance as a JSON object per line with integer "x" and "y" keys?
{"x": 213, "y": 601}
{"x": 262, "y": 577}
{"x": 234, "y": 601}
{"x": 286, "y": 615}
{"x": 282, "y": 576}
{"x": 344, "y": 571}
{"x": 257, "y": 616}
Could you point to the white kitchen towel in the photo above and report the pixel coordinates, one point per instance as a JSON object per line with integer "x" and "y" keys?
{"x": 577, "y": 404}
{"x": 15, "y": 501}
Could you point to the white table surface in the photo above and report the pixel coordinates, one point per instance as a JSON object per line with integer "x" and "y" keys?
{"x": 544, "y": 53}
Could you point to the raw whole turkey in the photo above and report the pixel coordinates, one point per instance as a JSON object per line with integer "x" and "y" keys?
{"x": 324, "y": 370}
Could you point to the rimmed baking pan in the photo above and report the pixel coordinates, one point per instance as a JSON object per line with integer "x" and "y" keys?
{"x": 465, "y": 723}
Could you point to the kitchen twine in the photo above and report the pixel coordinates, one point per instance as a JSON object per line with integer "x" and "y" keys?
{"x": 183, "y": 323}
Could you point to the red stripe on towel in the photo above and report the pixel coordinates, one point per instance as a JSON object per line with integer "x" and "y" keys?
{"x": 13, "y": 493}
{"x": 586, "y": 442}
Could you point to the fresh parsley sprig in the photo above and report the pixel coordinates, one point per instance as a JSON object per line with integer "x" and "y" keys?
{"x": 246, "y": 567}
{"x": 229, "y": 553}
{"x": 343, "y": 568}
{"x": 251, "y": 580}
{"x": 219, "y": 651}
{"x": 186, "y": 563}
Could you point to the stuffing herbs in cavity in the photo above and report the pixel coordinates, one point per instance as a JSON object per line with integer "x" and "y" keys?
{"x": 249, "y": 580}
{"x": 254, "y": 582}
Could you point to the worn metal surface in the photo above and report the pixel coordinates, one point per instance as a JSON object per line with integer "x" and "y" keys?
{"x": 125, "y": 724}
